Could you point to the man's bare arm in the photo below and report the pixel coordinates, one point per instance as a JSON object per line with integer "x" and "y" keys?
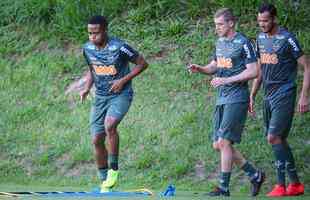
{"x": 303, "y": 103}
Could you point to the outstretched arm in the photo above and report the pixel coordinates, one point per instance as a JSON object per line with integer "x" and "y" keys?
{"x": 211, "y": 68}
{"x": 303, "y": 103}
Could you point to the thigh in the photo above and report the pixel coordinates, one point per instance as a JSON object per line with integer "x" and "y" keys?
{"x": 234, "y": 117}
{"x": 97, "y": 115}
{"x": 118, "y": 107}
{"x": 266, "y": 115}
{"x": 217, "y": 119}
{"x": 282, "y": 113}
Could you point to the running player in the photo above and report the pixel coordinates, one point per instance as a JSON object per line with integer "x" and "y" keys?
{"x": 234, "y": 63}
{"x": 279, "y": 52}
{"x": 108, "y": 59}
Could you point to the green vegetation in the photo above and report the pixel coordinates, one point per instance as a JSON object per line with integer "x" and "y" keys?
{"x": 44, "y": 134}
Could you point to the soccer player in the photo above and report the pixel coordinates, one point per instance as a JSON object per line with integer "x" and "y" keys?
{"x": 234, "y": 63}
{"x": 108, "y": 59}
{"x": 278, "y": 53}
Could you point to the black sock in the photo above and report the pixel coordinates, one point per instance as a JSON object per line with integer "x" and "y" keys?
{"x": 249, "y": 170}
{"x": 113, "y": 161}
{"x": 103, "y": 172}
{"x": 290, "y": 167}
{"x": 224, "y": 180}
{"x": 280, "y": 153}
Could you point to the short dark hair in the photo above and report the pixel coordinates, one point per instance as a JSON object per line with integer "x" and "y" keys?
{"x": 268, "y": 7}
{"x": 227, "y": 13}
{"x": 98, "y": 19}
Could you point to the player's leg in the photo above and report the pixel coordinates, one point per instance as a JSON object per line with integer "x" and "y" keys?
{"x": 237, "y": 114}
{"x": 280, "y": 124}
{"x": 274, "y": 140}
{"x": 97, "y": 115}
{"x": 118, "y": 107}
{"x": 295, "y": 187}
{"x": 217, "y": 120}
{"x": 101, "y": 155}
{"x": 228, "y": 132}
{"x": 257, "y": 177}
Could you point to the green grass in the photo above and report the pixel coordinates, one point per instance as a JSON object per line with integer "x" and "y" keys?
{"x": 44, "y": 134}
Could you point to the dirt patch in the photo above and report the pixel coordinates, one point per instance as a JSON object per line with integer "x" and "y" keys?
{"x": 81, "y": 169}
{"x": 28, "y": 166}
{"x": 159, "y": 55}
{"x": 68, "y": 169}
{"x": 213, "y": 175}
{"x": 200, "y": 170}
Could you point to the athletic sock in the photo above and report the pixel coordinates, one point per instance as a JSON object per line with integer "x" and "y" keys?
{"x": 290, "y": 166}
{"x": 113, "y": 161}
{"x": 103, "y": 172}
{"x": 224, "y": 181}
{"x": 280, "y": 153}
{"x": 249, "y": 170}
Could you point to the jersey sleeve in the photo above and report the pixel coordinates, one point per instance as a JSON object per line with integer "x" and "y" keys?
{"x": 295, "y": 48}
{"x": 85, "y": 57}
{"x": 128, "y": 53}
{"x": 249, "y": 52}
{"x": 257, "y": 49}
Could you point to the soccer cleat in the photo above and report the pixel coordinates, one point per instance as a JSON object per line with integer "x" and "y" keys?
{"x": 277, "y": 191}
{"x": 111, "y": 179}
{"x": 219, "y": 192}
{"x": 257, "y": 183}
{"x": 105, "y": 189}
{"x": 295, "y": 189}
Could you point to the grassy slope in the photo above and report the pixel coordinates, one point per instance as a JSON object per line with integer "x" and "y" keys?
{"x": 165, "y": 136}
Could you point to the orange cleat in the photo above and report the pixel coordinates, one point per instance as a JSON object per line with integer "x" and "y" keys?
{"x": 277, "y": 191}
{"x": 295, "y": 189}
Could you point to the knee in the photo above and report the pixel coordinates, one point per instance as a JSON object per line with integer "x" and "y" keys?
{"x": 110, "y": 126}
{"x": 215, "y": 146}
{"x": 110, "y": 129}
{"x": 223, "y": 143}
{"x": 98, "y": 141}
{"x": 273, "y": 139}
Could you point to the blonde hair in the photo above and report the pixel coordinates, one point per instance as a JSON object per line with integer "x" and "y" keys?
{"x": 227, "y": 13}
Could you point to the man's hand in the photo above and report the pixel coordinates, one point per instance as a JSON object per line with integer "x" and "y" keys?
{"x": 83, "y": 94}
{"x": 218, "y": 81}
{"x": 193, "y": 68}
{"x": 303, "y": 105}
{"x": 117, "y": 85}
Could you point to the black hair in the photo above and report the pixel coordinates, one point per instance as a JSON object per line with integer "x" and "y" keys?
{"x": 267, "y": 7}
{"x": 98, "y": 19}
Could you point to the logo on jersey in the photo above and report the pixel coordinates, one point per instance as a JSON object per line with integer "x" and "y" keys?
{"x": 112, "y": 48}
{"x": 247, "y": 51}
{"x": 105, "y": 70}
{"x": 294, "y": 45}
{"x": 269, "y": 58}
{"x": 238, "y": 41}
{"x": 223, "y": 62}
{"x": 125, "y": 50}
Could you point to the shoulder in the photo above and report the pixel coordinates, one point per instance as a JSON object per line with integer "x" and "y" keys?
{"x": 241, "y": 39}
{"x": 114, "y": 43}
{"x": 88, "y": 46}
{"x": 288, "y": 36}
{"x": 285, "y": 33}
